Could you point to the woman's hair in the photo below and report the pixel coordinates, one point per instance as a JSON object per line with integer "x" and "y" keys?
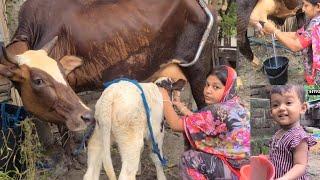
{"x": 281, "y": 89}
{"x": 314, "y": 2}
{"x": 220, "y": 72}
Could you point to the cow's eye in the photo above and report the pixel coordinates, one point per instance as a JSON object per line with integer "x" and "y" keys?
{"x": 38, "y": 81}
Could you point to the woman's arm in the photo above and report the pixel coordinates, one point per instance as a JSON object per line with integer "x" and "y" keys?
{"x": 289, "y": 39}
{"x": 300, "y": 160}
{"x": 172, "y": 118}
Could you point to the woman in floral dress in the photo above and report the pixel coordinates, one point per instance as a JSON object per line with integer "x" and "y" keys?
{"x": 219, "y": 133}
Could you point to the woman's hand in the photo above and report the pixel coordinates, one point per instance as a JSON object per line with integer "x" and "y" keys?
{"x": 269, "y": 28}
{"x": 165, "y": 94}
{"x": 182, "y": 108}
{"x": 171, "y": 116}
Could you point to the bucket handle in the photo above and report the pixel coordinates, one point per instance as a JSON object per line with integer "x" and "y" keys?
{"x": 280, "y": 74}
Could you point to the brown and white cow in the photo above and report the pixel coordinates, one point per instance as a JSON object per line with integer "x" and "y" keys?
{"x": 137, "y": 39}
{"x": 43, "y": 87}
{"x": 117, "y": 38}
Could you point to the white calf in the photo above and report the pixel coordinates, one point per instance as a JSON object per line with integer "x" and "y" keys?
{"x": 120, "y": 112}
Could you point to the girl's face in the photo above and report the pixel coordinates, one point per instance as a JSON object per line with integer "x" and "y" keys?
{"x": 213, "y": 90}
{"x": 310, "y": 10}
{"x": 286, "y": 109}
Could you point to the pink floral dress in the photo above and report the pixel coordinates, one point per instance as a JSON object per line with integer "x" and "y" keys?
{"x": 309, "y": 38}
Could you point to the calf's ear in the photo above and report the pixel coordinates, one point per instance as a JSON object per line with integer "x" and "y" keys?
{"x": 178, "y": 85}
{"x": 69, "y": 63}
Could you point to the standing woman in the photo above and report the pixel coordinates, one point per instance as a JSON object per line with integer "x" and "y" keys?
{"x": 307, "y": 39}
{"x": 219, "y": 133}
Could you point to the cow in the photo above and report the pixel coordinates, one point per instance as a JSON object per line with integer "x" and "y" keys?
{"x": 250, "y": 12}
{"x": 139, "y": 39}
{"x": 120, "y": 113}
{"x": 44, "y": 89}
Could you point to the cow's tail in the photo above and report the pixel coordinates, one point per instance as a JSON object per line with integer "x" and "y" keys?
{"x": 104, "y": 108}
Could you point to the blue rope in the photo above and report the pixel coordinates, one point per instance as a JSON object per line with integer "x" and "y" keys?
{"x": 155, "y": 147}
{"x": 86, "y": 136}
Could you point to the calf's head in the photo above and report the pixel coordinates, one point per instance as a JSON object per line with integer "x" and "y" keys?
{"x": 44, "y": 89}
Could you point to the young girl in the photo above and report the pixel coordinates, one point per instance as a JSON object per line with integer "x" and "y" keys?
{"x": 289, "y": 147}
{"x": 219, "y": 133}
{"x": 307, "y": 39}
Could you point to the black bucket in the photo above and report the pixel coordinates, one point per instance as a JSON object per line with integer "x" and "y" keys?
{"x": 277, "y": 70}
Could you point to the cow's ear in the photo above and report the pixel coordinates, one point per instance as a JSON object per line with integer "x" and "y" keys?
{"x": 69, "y": 63}
{"x": 13, "y": 73}
{"x": 178, "y": 85}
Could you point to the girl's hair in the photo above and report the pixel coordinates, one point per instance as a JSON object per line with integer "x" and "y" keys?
{"x": 314, "y": 2}
{"x": 281, "y": 89}
{"x": 220, "y": 72}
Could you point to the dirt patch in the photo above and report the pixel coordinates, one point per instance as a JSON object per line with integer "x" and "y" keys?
{"x": 173, "y": 149}
{"x": 313, "y": 165}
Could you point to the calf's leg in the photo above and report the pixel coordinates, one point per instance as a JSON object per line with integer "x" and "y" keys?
{"x": 130, "y": 148}
{"x": 107, "y": 161}
{"x": 94, "y": 157}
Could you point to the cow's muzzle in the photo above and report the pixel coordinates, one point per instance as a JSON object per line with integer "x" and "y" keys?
{"x": 88, "y": 117}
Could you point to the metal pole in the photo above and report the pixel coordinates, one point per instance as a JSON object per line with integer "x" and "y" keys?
{"x": 204, "y": 37}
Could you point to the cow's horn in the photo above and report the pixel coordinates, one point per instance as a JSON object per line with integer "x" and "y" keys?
{"x": 9, "y": 56}
{"x": 48, "y": 47}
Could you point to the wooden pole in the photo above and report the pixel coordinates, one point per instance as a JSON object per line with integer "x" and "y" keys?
{"x": 5, "y": 37}
{"x": 4, "y": 31}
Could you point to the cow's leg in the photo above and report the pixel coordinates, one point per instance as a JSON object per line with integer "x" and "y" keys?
{"x": 95, "y": 153}
{"x": 197, "y": 78}
{"x": 155, "y": 159}
{"x": 130, "y": 148}
{"x": 245, "y": 9}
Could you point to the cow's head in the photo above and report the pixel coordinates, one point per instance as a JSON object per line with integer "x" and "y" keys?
{"x": 44, "y": 89}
